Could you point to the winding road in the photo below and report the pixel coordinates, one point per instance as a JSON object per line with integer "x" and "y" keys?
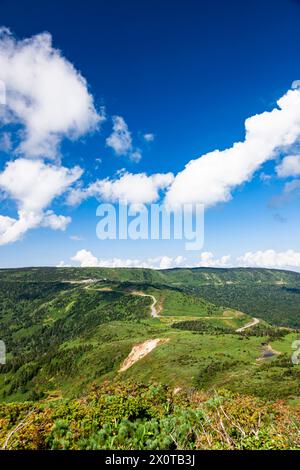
{"x": 154, "y": 312}
{"x": 249, "y": 325}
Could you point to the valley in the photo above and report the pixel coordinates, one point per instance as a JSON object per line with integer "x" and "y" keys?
{"x": 68, "y": 331}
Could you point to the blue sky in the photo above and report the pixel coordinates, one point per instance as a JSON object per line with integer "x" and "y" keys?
{"x": 189, "y": 74}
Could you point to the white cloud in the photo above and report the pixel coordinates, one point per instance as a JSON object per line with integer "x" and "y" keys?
{"x": 120, "y": 140}
{"x": 44, "y": 93}
{"x": 270, "y": 259}
{"x": 207, "y": 259}
{"x": 263, "y": 259}
{"x": 5, "y": 142}
{"x": 33, "y": 185}
{"x": 211, "y": 178}
{"x": 5, "y": 223}
{"x": 264, "y": 177}
{"x": 86, "y": 259}
{"x": 62, "y": 264}
{"x": 134, "y": 188}
{"x": 56, "y": 222}
{"x": 295, "y": 84}
{"x": 48, "y": 100}
{"x": 149, "y": 137}
{"x": 12, "y": 229}
{"x": 291, "y": 187}
{"x": 77, "y": 195}
{"x": 166, "y": 262}
{"x": 290, "y": 166}
{"x": 136, "y": 156}
{"x": 76, "y": 238}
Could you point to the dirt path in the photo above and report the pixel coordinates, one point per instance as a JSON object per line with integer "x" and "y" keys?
{"x": 141, "y": 350}
{"x": 215, "y": 318}
{"x": 254, "y": 322}
{"x": 82, "y": 281}
{"x": 154, "y": 312}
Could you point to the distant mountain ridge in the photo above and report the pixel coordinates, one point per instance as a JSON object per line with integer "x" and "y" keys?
{"x": 202, "y": 275}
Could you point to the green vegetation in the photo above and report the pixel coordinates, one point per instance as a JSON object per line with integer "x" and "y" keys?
{"x": 176, "y": 302}
{"x": 66, "y": 328}
{"x": 279, "y": 305}
{"x": 129, "y": 416}
{"x": 201, "y": 327}
{"x": 273, "y": 295}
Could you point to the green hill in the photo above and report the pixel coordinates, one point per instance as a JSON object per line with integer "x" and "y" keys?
{"x": 66, "y": 329}
{"x": 273, "y": 295}
{"x": 190, "y": 276}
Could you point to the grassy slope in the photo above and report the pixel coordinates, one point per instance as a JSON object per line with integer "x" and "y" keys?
{"x": 62, "y": 336}
{"x": 273, "y": 295}
{"x": 204, "y": 361}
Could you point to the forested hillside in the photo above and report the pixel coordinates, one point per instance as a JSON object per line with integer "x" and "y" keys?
{"x": 273, "y": 295}
{"x": 72, "y": 332}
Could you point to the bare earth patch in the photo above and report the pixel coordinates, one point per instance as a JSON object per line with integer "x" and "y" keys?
{"x": 104, "y": 289}
{"x": 141, "y": 350}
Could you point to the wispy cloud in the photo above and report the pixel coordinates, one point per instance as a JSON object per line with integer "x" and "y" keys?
{"x": 76, "y": 238}
{"x": 280, "y": 218}
{"x": 120, "y": 140}
{"x": 149, "y": 137}
{"x": 290, "y": 190}
{"x": 290, "y": 166}
{"x": 5, "y": 142}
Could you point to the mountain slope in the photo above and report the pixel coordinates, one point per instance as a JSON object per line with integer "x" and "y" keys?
{"x": 65, "y": 328}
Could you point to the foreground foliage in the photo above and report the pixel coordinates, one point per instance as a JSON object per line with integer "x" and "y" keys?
{"x": 130, "y": 416}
